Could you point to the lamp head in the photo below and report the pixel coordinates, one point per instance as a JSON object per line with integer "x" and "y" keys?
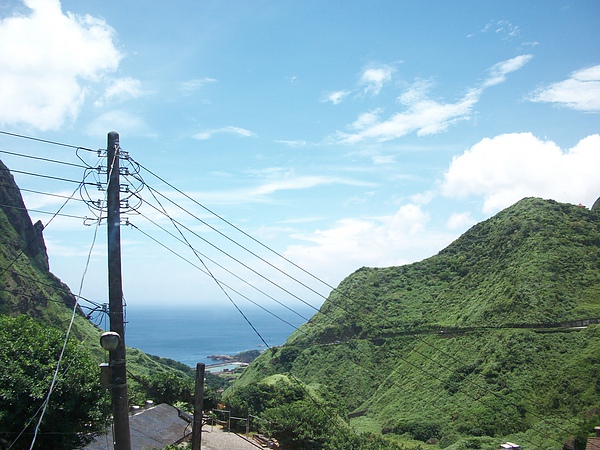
{"x": 110, "y": 340}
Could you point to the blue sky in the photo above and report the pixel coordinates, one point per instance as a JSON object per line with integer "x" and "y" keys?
{"x": 340, "y": 134}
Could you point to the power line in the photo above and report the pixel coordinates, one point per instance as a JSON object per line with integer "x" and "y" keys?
{"x": 39, "y": 158}
{"x": 249, "y": 251}
{"x": 48, "y": 177}
{"x": 221, "y": 282}
{"x": 221, "y": 266}
{"x": 237, "y": 228}
{"x": 45, "y": 141}
{"x": 44, "y": 212}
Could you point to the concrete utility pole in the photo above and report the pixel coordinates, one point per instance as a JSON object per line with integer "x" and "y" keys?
{"x": 198, "y": 406}
{"x": 122, "y": 439}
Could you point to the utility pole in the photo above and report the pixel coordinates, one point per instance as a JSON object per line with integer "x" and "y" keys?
{"x": 122, "y": 439}
{"x": 198, "y": 406}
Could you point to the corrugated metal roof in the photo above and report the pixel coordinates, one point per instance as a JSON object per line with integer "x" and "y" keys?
{"x": 155, "y": 427}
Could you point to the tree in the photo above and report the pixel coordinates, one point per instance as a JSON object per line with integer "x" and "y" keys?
{"x": 303, "y": 425}
{"x": 78, "y": 408}
{"x": 169, "y": 388}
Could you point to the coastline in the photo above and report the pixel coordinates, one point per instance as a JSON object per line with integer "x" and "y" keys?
{"x": 188, "y": 334}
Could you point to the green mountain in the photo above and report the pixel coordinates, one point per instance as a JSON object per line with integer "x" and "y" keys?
{"x": 495, "y": 338}
{"x": 28, "y": 287}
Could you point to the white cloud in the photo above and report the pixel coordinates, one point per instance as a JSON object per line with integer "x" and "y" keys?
{"x": 417, "y": 92}
{"x": 580, "y": 92}
{"x": 382, "y": 241}
{"x": 367, "y": 119}
{"x": 373, "y": 78}
{"x": 424, "y": 115}
{"x": 49, "y": 59}
{"x": 121, "y": 89}
{"x": 506, "y": 168}
{"x": 275, "y": 180}
{"x": 460, "y": 221}
{"x": 336, "y": 97}
{"x": 207, "y": 134}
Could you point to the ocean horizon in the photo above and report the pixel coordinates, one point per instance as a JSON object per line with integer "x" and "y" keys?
{"x": 189, "y": 334}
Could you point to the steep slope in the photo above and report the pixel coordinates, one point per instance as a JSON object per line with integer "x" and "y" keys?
{"x": 28, "y": 287}
{"x": 534, "y": 263}
{"x": 481, "y": 341}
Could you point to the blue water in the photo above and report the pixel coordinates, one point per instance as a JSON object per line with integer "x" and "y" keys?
{"x": 190, "y": 334}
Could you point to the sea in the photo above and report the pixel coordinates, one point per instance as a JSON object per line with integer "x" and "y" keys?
{"x": 190, "y": 334}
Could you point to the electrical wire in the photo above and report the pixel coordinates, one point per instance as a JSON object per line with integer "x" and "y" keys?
{"x": 222, "y": 282}
{"x": 224, "y": 268}
{"x": 48, "y": 177}
{"x": 267, "y": 279}
{"x": 247, "y": 250}
{"x": 44, "y": 141}
{"x": 39, "y": 158}
{"x": 237, "y": 228}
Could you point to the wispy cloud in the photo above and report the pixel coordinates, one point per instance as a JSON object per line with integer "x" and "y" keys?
{"x": 422, "y": 114}
{"x": 336, "y": 97}
{"x": 49, "y": 62}
{"x": 498, "y": 72}
{"x": 580, "y": 92}
{"x": 292, "y": 143}
{"x": 207, "y": 134}
{"x": 121, "y": 89}
{"x": 190, "y": 86}
{"x": 373, "y": 78}
{"x": 273, "y": 180}
{"x": 423, "y": 117}
{"x": 371, "y": 81}
{"x": 119, "y": 120}
{"x": 502, "y": 27}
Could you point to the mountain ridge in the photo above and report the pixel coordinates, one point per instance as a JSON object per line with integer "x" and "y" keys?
{"x": 384, "y": 342}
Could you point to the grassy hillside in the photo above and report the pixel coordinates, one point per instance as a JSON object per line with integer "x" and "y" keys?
{"x": 478, "y": 344}
{"x": 28, "y": 287}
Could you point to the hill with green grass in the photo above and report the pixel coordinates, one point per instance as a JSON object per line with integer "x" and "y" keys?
{"x": 27, "y": 287}
{"x": 494, "y": 339}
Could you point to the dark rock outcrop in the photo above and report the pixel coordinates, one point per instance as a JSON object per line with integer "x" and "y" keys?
{"x": 11, "y": 202}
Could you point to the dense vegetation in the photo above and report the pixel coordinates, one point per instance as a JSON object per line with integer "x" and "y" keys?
{"x": 495, "y": 338}
{"x": 28, "y": 354}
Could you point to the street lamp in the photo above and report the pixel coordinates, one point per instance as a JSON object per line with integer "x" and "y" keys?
{"x": 110, "y": 340}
